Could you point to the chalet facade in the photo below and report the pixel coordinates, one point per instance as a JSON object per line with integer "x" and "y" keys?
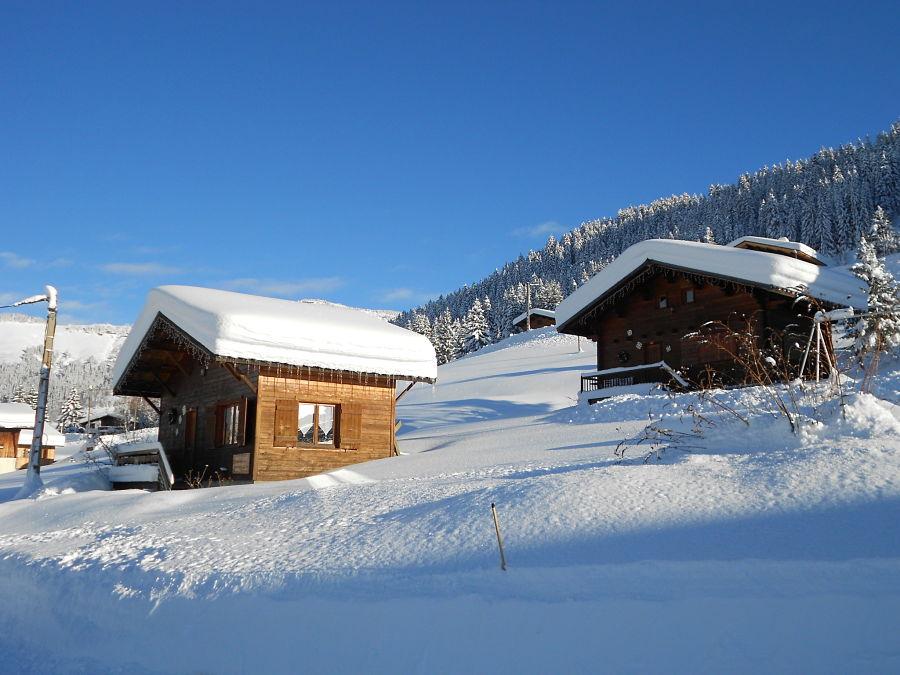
{"x": 264, "y": 389}
{"x": 650, "y": 310}
{"x": 540, "y": 318}
{"x": 51, "y": 440}
{"x": 14, "y": 418}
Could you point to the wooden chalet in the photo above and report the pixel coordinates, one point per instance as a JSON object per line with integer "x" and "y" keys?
{"x": 14, "y": 418}
{"x": 651, "y": 311}
{"x": 52, "y": 439}
{"x": 259, "y": 389}
{"x": 540, "y": 318}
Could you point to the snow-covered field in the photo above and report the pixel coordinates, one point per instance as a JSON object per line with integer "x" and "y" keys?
{"x": 748, "y": 549}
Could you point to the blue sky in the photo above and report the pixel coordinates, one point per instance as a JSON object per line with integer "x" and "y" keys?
{"x": 380, "y": 153}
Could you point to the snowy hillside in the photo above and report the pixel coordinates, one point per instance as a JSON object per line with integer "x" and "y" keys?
{"x": 749, "y": 549}
{"x": 73, "y": 342}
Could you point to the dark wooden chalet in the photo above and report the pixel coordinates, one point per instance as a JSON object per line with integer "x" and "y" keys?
{"x": 540, "y": 318}
{"x": 260, "y": 389}
{"x": 667, "y": 306}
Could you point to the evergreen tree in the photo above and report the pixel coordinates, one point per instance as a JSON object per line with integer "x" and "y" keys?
{"x": 19, "y": 396}
{"x": 884, "y": 238}
{"x": 31, "y": 398}
{"x": 879, "y": 332}
{"x": 445, "y": 339}
{"x": 476, "y": 333}
{"x": 71, "y": 411}
{"x": 708, "y": 236}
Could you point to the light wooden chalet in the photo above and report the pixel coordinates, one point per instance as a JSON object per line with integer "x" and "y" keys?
{"x": 650, "y": 310}
{"x": 540, "y": 318}
{"x": 51, "y": 440}
{"x": 14, "y": 417}
{"x": 265, "y": 389}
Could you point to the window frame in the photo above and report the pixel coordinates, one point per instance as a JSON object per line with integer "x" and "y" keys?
{"x": 335, "y": 416}
{"x": 662, "y": 302}
{"x": 686, "y": 299}
{"x": 240, "y": 412}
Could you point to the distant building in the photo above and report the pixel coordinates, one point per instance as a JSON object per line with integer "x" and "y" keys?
{"x": 267, "y": 389}
{"x": 540, "y": 318}
{"x": 102, "y": 417}
{"x": 650, "y": 309}
{"x": 16, "y": 432}
{"x": 14, "y": 417}
{"x": 52, "y": 440}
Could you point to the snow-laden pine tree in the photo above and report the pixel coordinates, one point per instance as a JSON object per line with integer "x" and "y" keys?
{"x": 445, "y": 338}
{"x": 884, "y": 237}
{"x": 880, "y": 331}
{"x": 708, "y": 236}
{"x": 31, "y": 398}
{"x": 476, "y": 333}
{"x": 19, "y": 396}
{"x": 71, "y": 410}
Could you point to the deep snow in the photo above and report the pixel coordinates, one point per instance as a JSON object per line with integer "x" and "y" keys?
{"x": 751, "y": 550}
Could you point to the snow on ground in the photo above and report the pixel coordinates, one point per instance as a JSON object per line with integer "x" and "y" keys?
{"x": 751, "y": 550}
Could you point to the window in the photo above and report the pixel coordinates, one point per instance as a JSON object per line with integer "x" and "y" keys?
{"x": 315, "y": 424}
{"x": 688, "y": 296}
{"x": 663, "y": 302}
{"x": 231, "y": 424}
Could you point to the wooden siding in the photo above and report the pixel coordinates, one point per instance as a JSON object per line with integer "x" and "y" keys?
{"x": 202, "y": 392}
{"x": 365, "y": 423}
{"x": 662, "y": 331}
{"x": 9, "y": 439}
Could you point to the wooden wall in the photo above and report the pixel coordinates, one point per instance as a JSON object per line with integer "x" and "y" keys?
{"x": 202, "y": 392}
{"x": 662, "y": 331}
{"x": 370, "y": 403}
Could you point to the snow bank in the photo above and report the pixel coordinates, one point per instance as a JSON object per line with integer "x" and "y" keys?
{"x": 771, "y": 270}
{"x": 16, "y": 416}
{"x": 271, "y": 330}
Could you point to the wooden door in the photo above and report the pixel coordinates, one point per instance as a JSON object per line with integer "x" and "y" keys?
{"x": 652, "y": 353}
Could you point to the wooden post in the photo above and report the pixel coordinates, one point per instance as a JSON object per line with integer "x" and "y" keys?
{"x": 499, "y": 538}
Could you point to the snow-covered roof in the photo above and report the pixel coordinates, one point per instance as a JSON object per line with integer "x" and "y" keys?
{"x": 535, "y": 311}
{"x": 272, "y": 330}
{"x": 16, "y": 416}
{"x": 769, "y": 270}
{"x": 97, "y": 413}
{"x": 51, "y": 437}
{"x": 782, "y": 243}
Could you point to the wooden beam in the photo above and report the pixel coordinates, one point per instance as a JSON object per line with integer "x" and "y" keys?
{"x": 175, "y": 362}
{"x": 409, "y": 386}
{"x": 151, "y": 404}
{"x": 162, "y": 382}
{"x": 240, "y": 377}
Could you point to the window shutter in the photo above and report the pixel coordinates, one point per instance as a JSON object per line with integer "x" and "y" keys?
{"x": 350, "y": 426}
{"x": 242, "y": 422}
{"x": 285, "y": 423}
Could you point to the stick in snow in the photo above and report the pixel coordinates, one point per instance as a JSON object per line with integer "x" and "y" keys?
{"x": 499, "y": 538}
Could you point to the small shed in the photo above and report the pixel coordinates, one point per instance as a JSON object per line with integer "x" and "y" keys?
{"x": 14, "y": 417}
{"x": 540, "y": 318}
{"x": 254, "y": 388}
{"x": 647, "y": 310}
{"x": 51, "y": 440}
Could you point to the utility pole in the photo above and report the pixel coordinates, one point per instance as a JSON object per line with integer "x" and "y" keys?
{"x": 528, "y": 310}
{"x": 33, "y": 477}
